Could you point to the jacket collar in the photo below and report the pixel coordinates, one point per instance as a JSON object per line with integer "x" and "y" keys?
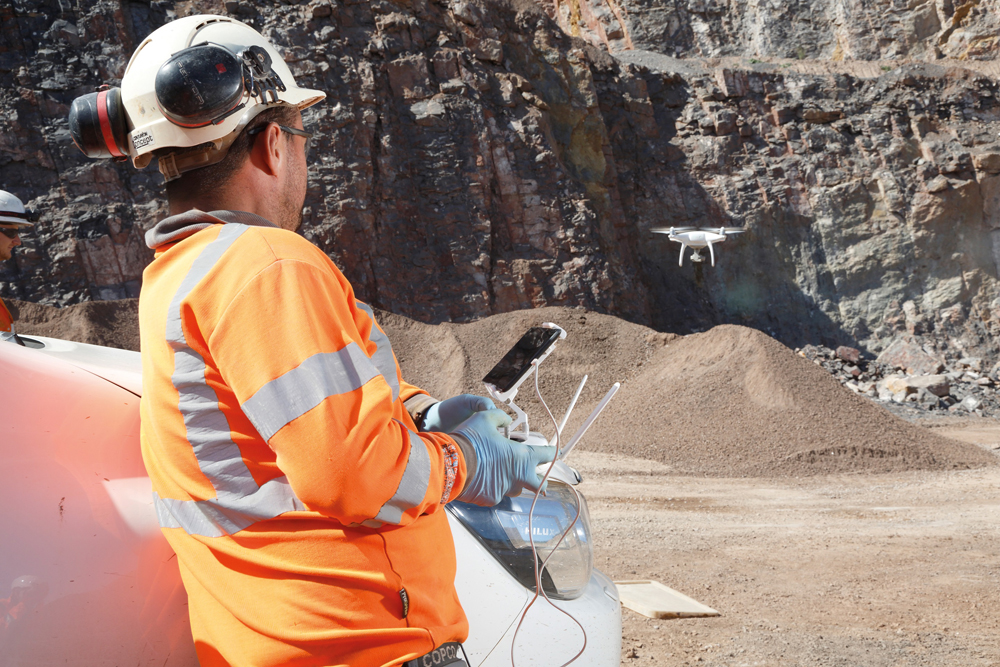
{"x": 179, "y": 227}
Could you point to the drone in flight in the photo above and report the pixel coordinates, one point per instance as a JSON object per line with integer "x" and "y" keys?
{"x": 697, "y": 238}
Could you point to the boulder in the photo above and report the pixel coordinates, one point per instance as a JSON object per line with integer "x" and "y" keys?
{"x": 927, "y": 400}
{"x": 971, "y": 403}
{"x": 848, "y": 354}
{"x": 428, "y": 112}
{"x": 988, "y": 162}
{"x": 974, "y": 364}
{"x": 937, "y": 184}
{"x": 907, "y": 354}
{"x": 898, "y": 385}
{"x": 935, "y": 384}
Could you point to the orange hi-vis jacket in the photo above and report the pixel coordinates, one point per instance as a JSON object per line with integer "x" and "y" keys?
{"x": 306, "y": 511}
{"x": 6, "y": 320}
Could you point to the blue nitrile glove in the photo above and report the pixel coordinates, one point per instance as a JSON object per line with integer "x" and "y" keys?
{"x": 497, "y": 466}
{"x": 445, "y": 416}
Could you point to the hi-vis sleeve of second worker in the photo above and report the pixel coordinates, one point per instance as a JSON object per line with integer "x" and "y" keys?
{"x": 317, "y": 378}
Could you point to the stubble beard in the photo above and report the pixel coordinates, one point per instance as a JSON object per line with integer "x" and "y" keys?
{"x": 294, "y": 210}
{"x": 293, "y": 214}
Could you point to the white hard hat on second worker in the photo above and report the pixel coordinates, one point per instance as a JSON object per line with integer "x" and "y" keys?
{"x": 12, "y": 211}
{"x": 195, "y": 81}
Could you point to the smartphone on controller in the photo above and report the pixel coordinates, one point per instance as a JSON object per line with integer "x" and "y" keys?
{"x": 508, "y": 372}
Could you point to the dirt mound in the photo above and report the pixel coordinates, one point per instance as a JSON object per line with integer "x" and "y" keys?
{"x": 109, "y": 323}
{"x": 729, "y": 402}
{"x": 735, "y": 402}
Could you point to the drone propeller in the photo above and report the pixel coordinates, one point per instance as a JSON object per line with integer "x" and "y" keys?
{"x": 724, "y": 230}
{"x": 671, "y": 230}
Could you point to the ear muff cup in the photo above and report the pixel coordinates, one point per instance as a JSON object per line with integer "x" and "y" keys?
{"x": 98, "y": 125}
{"x": 201, "y": 85}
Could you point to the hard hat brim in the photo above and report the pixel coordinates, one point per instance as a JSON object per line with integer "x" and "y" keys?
{"x": 304, "y": 98}
{"x": 7, "y": 221}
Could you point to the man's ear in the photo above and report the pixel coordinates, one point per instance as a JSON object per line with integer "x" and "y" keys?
{"x": 269, "y": 150}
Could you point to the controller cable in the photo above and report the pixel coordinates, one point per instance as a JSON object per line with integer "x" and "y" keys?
{"x": 539, "y": 590}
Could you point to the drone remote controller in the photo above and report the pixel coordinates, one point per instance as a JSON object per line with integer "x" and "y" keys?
{"x": 517, "y": 366}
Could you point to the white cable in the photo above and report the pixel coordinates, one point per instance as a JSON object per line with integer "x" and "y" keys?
{"x": 539, "y": 590}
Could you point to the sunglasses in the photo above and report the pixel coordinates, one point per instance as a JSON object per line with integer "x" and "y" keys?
{"x": 10, "y": 233}
{"x": 284, "y": 128}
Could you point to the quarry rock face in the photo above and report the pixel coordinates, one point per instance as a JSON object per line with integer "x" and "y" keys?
{"x": 815, "y": 29}
{"x": 474, "y": 158}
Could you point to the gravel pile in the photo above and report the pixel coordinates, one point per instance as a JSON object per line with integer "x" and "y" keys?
{"x": 734, "y": 402}
{"x": 728, "y": 402}
{"x": 966, "y": 385}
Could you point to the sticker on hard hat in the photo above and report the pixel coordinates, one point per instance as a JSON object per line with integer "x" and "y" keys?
{"x": 141, "y": 139}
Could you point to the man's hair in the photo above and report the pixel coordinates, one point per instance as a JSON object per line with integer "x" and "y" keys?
{"x": 201, "y": 182}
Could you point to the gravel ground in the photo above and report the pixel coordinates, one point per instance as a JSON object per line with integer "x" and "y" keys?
{"x": 890, "y": 569}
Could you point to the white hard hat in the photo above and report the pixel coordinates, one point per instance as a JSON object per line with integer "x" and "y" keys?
{"x": 12, "y": 211}
{"x": 198, "y": 80}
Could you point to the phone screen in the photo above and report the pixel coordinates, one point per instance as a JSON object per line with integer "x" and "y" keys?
{"x": 518, "y": 360}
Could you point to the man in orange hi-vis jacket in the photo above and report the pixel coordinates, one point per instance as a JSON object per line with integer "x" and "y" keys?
{"x": 13, "y": 221}
{"x": 299, "y": 479}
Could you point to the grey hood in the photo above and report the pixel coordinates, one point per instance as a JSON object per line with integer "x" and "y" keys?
{"x": 183, "y": 225}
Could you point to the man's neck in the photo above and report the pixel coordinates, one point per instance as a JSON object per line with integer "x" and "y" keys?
{"x": 206, "y": 204}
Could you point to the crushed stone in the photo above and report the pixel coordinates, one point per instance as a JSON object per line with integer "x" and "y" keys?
{"x": 729, "y": 402}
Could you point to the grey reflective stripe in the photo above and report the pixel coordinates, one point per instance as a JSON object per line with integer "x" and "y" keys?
{"x": 383, "y": 358}
{"x": 212, "y": 518}
{"x": 301, "y": 389}
{"x": 412, "y": 487}
{"x": 207, "y": 428}
{"x": 239, "y": 501}
{"x": 199, "y": 269}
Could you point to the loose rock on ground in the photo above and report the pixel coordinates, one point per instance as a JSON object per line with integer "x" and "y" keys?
{"x": 912, "y": 381}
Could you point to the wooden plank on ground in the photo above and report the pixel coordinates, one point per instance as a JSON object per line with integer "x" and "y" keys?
{"x": 653, "y": 599}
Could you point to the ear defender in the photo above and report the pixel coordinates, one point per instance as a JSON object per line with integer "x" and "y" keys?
{"x": 206, "y": 83}
{"x": 97, "y": 123}
{"x": 201, "y": 85}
